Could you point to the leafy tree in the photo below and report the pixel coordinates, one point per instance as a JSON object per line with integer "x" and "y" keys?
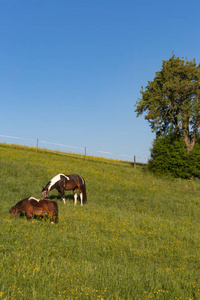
{"x": 172, "y": 100}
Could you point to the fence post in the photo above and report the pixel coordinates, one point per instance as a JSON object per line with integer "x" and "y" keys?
{"x": 85, "y": 153}
{"x": 134, "y": 162}
{"x": 37, "y": 146}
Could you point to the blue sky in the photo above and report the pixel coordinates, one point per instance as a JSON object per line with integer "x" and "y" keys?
{"x": 72, "y": 70}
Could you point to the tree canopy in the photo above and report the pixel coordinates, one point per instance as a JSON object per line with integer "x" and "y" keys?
{"x": 172, "y": 100}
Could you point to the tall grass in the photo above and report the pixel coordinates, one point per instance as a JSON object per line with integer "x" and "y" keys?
{"x": 136, "y": 238}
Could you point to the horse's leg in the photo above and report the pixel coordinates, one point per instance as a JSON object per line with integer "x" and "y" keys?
{"x": 81, "y": 190}
{"x": 63, "y": 198}
{"x": 51, "y": 217}
{"x": 62, "y": 192}
{"x": 81, "y": 197}
{"x": 75, "y": 196}
{"x": 28, "y": 216}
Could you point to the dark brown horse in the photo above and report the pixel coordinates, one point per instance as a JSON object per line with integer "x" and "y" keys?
{"x": 33, "y": 206}
{"x": 64, "y": 183}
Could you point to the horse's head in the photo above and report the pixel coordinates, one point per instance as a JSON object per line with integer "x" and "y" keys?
{"x": 44, "y": 194}
{"x": 13, "y": 211}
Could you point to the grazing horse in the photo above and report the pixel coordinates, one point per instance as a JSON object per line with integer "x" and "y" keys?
{"x": 64, "y": 183}
{"x": 33, "y": 206}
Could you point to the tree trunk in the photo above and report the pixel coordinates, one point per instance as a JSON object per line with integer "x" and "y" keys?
{"x": 189, "y": 142}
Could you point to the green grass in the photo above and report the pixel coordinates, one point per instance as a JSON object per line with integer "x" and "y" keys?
{"x": 136, "y": 238}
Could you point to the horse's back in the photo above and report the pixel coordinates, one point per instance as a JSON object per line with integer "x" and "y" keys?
{"x": 39, "y": 205}
{"x": 76, "y": 178}
{"x": 34, "y": 202}
{"x": 49, "y": 204}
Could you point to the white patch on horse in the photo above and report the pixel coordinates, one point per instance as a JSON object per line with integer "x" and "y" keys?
{"x": 56, "y": 179}
{"x": 81, "y": 196}
{"x": 63, "y": 200}
{"x": 82, "y": 180}
{"x": 65, "y": 176}
{"x": 32, "y": 198}
{"x": 75, "y": 198}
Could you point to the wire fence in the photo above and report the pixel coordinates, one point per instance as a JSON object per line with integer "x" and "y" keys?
{"x": 84, "y": 151}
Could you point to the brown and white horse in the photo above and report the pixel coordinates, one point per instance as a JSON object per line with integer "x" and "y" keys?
{"x": 33, "y": 206}
{"x": 64, "y": 183}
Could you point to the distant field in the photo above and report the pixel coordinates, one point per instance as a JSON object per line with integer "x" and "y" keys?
{"x": 136, "y": 238}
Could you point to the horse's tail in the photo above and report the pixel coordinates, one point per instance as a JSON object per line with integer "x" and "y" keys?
{"x": 84, "y": 193}
{"x": 55, "y": 212}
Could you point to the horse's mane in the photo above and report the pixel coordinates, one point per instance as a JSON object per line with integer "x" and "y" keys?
{"x": 46, "y": 186}
{"x": 33, "y": 198}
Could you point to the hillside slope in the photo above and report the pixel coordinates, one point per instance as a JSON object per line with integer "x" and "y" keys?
{"x": 136, "y": 238}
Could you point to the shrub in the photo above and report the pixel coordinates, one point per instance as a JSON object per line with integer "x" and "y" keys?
{"x": 169, "y": 156}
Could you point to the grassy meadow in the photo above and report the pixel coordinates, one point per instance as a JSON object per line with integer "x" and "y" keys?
{"x": 136, "y": 238}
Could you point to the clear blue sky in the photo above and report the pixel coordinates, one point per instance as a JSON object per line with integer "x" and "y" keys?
{"x": 71, "y": 70}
